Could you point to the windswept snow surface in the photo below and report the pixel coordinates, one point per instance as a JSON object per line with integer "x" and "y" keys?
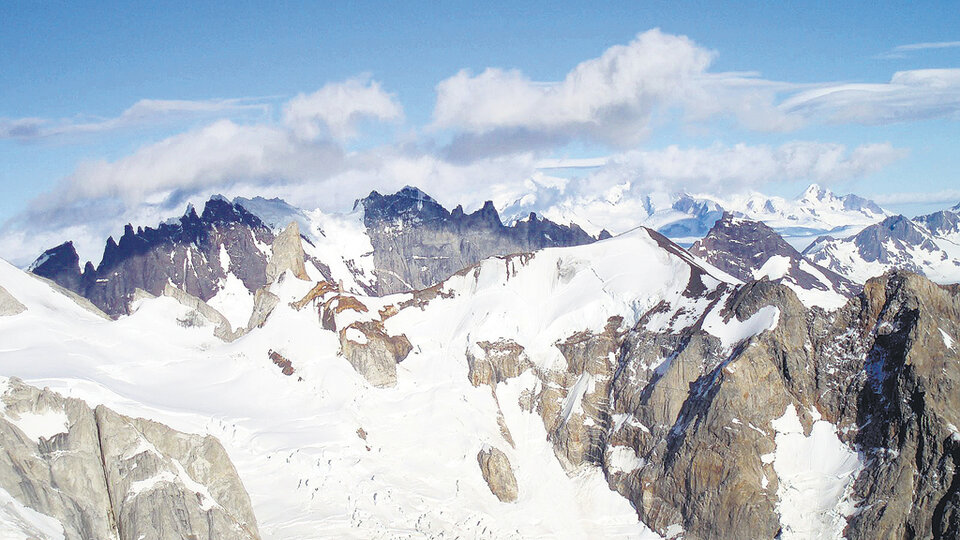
{"x": 18, "y": 522}
{"x": 544, "y": 298}
{"x": 339, "y": 240}
{"x": 816, "y": 473}
{"x": 734, "y": 331}
{"x": 43, "y": 425}
{"x": 296, "y": 443}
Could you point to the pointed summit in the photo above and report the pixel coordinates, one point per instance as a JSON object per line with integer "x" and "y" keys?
{"x": 60, "y": 264}
{"x": 815, "y": 192}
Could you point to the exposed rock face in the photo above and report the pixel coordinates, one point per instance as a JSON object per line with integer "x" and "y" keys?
{"x": 690, "y": 429}
{"x": 60, "y": 264}
{"x": 285, "y": 365}
{"x": 9, "y": 305}
{"x": 374, "y": 353}
{"x": 287, "y": 254}
{"x": 904, "y": 380}
{"x": 97, "y": 474}
{"x": 690, "y": 423}
{"x": 222, "y": 326}
{"x": 497, "y": 472}
{"x": 418, "y": 243}
{"x": 57, "y": 472}
{"x": 264, "y": 303}
{"x": 945, "y": 223}
{"x": 496, "y": 362}
{"x": 192, "y": 254}
{"x": 749, "y": 250}
{"x": 166, "y": 484}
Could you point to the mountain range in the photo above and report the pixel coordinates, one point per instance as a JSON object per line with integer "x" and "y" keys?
{"x": 404, "y": 370}
{"x": 686, "y": 217}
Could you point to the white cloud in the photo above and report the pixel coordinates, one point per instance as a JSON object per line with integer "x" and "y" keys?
{"x": 927, "y": 45}
{"x": 901, "y": 51}
{"x": 142, "y": 113}
{"x": 336, "y": 109}
{"x": 221, "y": 153}
{"x": 910, "y": 95}
{"x": 620, "y": 96}
{"x": 722, "y": 169}
{"x": 950, "y": 196}
{"x": 611, "y": 98}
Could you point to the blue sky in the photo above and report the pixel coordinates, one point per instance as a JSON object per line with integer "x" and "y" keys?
{"x": 94, "y": 94}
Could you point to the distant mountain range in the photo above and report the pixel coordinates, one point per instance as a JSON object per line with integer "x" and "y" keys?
{"x": 407, "y": 241}
{"x": 686, "y": 217}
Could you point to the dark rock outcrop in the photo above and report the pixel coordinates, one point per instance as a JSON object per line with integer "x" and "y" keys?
{"x": 741, "y": 247}
{"x": 418, "y": 243}
{"x": 191, "y": 253}
{"x": 60, "y": 264}
{"x": 696, "y": 420}
{"x": 895, "y": 243}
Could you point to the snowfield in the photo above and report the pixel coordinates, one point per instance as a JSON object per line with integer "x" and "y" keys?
{"x": 295, "y": 440}
{"x": 322, "y": 452}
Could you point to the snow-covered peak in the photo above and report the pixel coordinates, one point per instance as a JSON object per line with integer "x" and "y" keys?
{"x": 685, "y": 216}
{"x": 541, "y": 298}
{"x": 896, "y": 242}
{"x": 815, "y": 193}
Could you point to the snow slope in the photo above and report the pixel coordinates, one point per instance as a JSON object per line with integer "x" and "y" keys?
{"x": 816, "y": 473}
{"x": 338, "y": 240}
{"x": 897, "y": 242}
{"x": 297, "y": 444}
{"x": 323, "y": 453}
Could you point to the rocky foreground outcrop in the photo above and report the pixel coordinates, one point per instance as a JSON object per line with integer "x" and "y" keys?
{"x": 698, "y": 423}
{"x": 496, "y": 471}
{"x": 69, "y": 471}
{"x": 831, "y": 424}
{"x": 9, "y": 305}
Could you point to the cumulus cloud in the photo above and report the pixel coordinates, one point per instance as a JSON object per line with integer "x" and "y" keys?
{"x": 910, "y": 95}
{"x": 142, "y": 113}
{"x": 335, "y": 109}
{"x": 497, "y": 128}
{"x": 221, "y": 153}
{"x": 619, "y": 97}
{"x": 610, "y": 98}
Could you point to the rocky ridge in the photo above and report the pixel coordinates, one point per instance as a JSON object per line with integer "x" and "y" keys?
{"x": 195, "y": 253}
{"x": 417, "y": 243}
{"x": 702, "y": 433}
{"x": 75, "y": 472}
{"x": 749, "y": 250}
{"x": 701, "y": 410}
